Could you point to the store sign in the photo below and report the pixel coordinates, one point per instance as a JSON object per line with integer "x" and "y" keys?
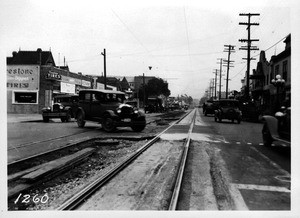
{"x": 86, "y": 83}
{"x": 70, "y": 80}
{"x": 53, "y": 75}
{"x": 22, "y": 77}
{"x": 67, "y": 88}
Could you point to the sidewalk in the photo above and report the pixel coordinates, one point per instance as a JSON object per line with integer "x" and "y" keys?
{"x": 17, "y": 118}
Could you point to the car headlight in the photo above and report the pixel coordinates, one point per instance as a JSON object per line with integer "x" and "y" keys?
{"x": 61, "y": 107}
{"x": 136, "y": 111}
{"x": 119, "y": 111}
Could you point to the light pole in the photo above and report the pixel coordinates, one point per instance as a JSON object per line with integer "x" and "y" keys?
{"x": 278, "y": 82}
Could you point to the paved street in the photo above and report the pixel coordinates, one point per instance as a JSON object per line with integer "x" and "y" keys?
{"x": 259, "y": 177}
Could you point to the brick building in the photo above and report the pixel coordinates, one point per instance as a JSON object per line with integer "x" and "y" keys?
{"x": 33, "y": 80}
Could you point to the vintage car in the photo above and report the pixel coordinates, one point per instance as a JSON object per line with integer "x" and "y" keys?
{"x": 209, "y": 107}
{"x": 277, "y": 129}
{"x": 64, "y": 107}
{"x": 228, "y": 109}
{"x": 107, "y": 107}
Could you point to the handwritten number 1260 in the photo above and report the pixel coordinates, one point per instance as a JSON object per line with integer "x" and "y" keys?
{"x": 35, "y": 199}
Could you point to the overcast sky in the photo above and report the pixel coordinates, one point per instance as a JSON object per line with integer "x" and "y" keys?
{"x": 181, "y": 40}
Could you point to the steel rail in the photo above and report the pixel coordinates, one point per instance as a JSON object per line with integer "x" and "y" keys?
{"x": 41, "y": 141}
{"x": 176, "y": 191}
{"x": 86, "y": 192}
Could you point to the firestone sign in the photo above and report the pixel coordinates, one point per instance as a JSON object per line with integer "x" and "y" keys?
{"x": 22, "y": 77}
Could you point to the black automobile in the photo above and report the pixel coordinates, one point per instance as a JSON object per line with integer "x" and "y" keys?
{"x": 277, "y": 128}
{"x": 64, "y": 107}
{"x": 228, "y": 109}
{"x": 107, "y": 107}
{"x": 209, "y": 107}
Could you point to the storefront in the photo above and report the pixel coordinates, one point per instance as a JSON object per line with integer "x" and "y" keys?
{"x": 22, "y": 88}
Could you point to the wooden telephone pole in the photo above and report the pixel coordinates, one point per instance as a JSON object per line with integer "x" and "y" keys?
{"x": 248, "y": 48}
{"x": 104, "y": 55}
{"x": 220, "y": 79}
{"x": 229, "y": 49}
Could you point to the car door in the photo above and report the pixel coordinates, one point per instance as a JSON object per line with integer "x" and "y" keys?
{"x": 84, "y": 102}
{"x": 97, "y": 105}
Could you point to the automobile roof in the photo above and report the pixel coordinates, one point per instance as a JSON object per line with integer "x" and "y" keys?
{"x": 102, "y": 91}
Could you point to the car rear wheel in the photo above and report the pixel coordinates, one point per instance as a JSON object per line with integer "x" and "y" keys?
{"x": 267, "y": 139}
{"x": 108, "y": 124}
{"x": 80, "y": 120}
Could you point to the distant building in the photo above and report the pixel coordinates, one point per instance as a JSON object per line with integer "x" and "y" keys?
{"x": 33, "y": 80}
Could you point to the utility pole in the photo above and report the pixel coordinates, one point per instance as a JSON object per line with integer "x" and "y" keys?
{"x": 212, "y": 81}
{"x": 144, "y": 99}
{"x": 229, "y": 49}
{"x": 248, "y": 48}
{"x": 216, "y": 72}
{"x": 220, "y": 79}
{"x": 104, "y": 55}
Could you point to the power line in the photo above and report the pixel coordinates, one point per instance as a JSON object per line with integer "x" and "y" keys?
{"x": 259, "y": 54}
{"x": 187, "y": 33}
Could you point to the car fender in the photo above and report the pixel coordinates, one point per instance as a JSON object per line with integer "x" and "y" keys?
{"x": 110, "y": 112}
{"x": 68, "y": 108}
{"x": 141, "y": 113}
{"x": 44, "y": 109}
{"x": 272, "y": 124}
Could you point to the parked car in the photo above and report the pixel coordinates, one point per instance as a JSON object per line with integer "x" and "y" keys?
{"x": 209, "y": 107}
{"x": 64, "y": 107}
{"x": 251, "y": 112}
{"x": 228, "y": 109}
{"x": 277, "y": 128}
{"x": 107, "y": 108}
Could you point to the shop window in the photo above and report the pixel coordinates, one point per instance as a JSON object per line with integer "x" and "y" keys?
{"x": 25, "y": 97}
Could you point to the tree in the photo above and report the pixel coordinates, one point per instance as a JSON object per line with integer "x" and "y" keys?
{"x": 155, "y": 87}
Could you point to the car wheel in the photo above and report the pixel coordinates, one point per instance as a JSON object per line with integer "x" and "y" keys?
{"x": 46, "y": 119}
{"x": 140, "y": 126}
{"x": 108, "y": 124}
{"x": 63, "y": 119}
{"x": 220, "y": 120}
{"x": 80, "y": 120}
{"x": 267, "y": 139}
{"x": 232, "y": 120}
{"x": 239, "y": 121}
{"x": 216, "y": 119}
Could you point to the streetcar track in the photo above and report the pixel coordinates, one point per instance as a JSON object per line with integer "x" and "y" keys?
{"x": 176, "y": 192}
{"x": 69, "y": 144}
{"x": 90, "y": 189}
{"x": 42, "y": 141}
